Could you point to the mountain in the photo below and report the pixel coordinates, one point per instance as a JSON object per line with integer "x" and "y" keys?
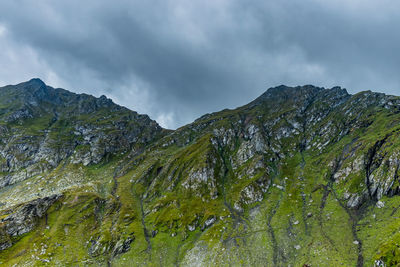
{"x": 301, "y": 176}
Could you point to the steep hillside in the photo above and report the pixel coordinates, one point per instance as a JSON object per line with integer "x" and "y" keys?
{"x": 301, "y": 176}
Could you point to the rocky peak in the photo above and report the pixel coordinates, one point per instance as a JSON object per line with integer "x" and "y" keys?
{"x": 300, "y": 98}
{"x": 34, "y": 90}
{"x": 36, "y": 85}
{"x": 37, "y": 97}
{"x": 287, "y": 91}
{"x": 284, "y": 92}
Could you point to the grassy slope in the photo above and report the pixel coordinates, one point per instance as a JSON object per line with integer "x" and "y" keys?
{"x": 143, "y": 198}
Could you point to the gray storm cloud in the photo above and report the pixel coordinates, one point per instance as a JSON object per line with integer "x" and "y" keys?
{"x": 176, "y": 60}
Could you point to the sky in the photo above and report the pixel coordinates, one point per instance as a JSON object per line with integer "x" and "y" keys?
{"x": 176, "y": 60}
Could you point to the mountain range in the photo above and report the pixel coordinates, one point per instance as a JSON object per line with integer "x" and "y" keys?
{"x": 301, "y": 176}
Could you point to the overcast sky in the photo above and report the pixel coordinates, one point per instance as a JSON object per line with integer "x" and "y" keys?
{"x": 178, "y": 59}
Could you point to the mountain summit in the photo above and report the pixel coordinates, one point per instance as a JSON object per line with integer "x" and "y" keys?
{"x": 301, "y": 176}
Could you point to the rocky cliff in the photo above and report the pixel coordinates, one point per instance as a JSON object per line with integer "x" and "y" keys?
{"x": 301, "y": 176}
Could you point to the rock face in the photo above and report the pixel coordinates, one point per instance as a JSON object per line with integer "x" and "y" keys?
{"x": 23, "y": 219}
{"x": 301, "y": 176}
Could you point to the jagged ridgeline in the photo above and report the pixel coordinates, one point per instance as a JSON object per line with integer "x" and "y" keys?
{"x": 301, "y": 176}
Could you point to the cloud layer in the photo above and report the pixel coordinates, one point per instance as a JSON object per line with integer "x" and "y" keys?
{"x": 176, "y": 59}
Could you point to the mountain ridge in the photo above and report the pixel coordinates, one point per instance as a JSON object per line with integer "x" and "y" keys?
{"x": 299, "y": 176}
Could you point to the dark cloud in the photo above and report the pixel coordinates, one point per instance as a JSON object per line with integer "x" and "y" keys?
{"x": 176, "y": 60}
